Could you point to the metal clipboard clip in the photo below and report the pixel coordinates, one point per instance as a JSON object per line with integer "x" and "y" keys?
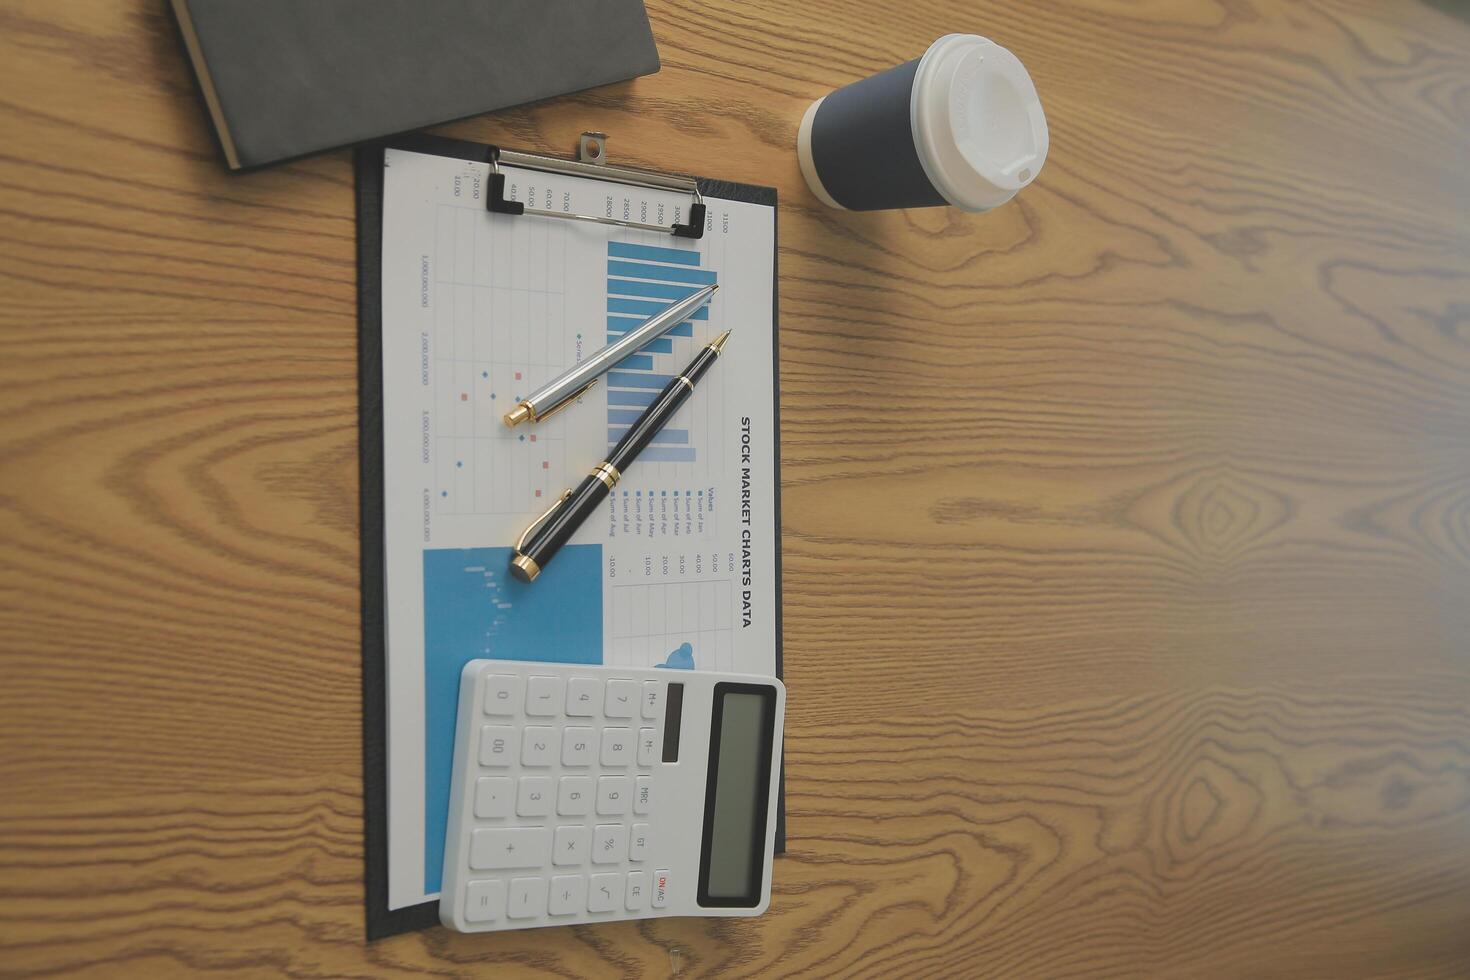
{"x": 592, "y": 162}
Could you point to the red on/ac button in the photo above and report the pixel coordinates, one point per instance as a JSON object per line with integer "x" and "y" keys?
{"x": 660, "y": 889}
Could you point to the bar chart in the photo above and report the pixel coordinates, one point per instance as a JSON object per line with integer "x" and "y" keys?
{"x": 641, "y": 281}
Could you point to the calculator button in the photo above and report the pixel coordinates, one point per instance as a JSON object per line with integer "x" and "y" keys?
{"x": 635, "y": 895}
{"x": 621, "y": 700}
{"x": 484, "y": 900}
{"x": 578, "y": 747}
{"x": 638, "y": 843}
{"x": 653, "y": 699}
{"x": 647, "y": 746}
{"x": 660, "y": 889}
{"x": 617, "y": 746}
{"x": 494, "y": 797}
{"x": 570, "y": 847}
{"x": 502, "y": 694}
{"x": 538, "y": 746}
{"x": 497, "y": 746}
{"x": 584, "y": 696}
{"x": 606, "y": 891}
{"x": 609, "y": 843}
{"x": 543, "y": 697}
{"x": 498, "y": 848}
{"x": 527, "y": 897}
{"x": 574, "y": 797}
{"x": 612, "y": 795}
{"x": 568, "y": 894}
{"x": 643, "y": 795}
{"x": 534, "y": 798}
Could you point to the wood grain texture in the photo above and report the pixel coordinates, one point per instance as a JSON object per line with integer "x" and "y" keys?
{"x": 1144, "y": 650}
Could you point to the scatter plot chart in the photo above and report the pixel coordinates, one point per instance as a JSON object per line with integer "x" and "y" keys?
{"x": 500, "y": 331}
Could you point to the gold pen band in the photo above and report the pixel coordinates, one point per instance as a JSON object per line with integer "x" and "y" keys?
{"x": 687, "y": 383}
{"x": 608, "y": 474}
{"x": 528, "y": 565}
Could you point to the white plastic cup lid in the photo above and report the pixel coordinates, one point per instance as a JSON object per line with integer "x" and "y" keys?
{"x": 979, "y": 129}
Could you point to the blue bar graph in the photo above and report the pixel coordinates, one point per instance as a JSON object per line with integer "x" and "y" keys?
{"x": 676, "y": 436}
{"x": 666, "y": 273}
{"x": 622, "y": 324}
{"x": 661, "y": 346}
{"x": 667, "y": 454}
{"x": 653, "y": 253}
{"x": 643, "y": 280}
{"x": 632, "y": 379}
{"x": 646, "y": 309}
{"x": 655, "y": 290}
{"x": 636, "y": 362}
{"x": 642, "y": 399}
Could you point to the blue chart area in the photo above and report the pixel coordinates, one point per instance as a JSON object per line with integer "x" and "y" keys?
{"x": 681, "y": 659}
{"x": 641, "y": 281}
{"x": 474, "y": 609}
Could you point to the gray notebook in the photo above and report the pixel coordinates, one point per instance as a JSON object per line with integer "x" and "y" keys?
{"x": 284, "y": 78}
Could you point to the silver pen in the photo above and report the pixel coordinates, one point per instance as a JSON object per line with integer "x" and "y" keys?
{"x": 558, "y": 393}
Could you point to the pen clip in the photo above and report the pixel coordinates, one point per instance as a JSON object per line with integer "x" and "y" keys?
{"x": 567, "y": 400}
{"x": 521, "y": 541}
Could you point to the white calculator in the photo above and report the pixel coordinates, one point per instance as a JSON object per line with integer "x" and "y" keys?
{"x": 592, "y": 794}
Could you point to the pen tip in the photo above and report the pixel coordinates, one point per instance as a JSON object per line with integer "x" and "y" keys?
{"x": 719, "y": 343}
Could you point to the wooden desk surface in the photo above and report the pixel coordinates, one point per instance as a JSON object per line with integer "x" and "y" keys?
{"x": 1143, "y": 650}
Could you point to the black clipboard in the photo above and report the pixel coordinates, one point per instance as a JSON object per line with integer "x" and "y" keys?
{"x": 368, "y": 162}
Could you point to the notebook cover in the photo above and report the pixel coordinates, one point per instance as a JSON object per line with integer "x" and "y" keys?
{"x": 292, "y": 77}
{"x": 381, "y": 921}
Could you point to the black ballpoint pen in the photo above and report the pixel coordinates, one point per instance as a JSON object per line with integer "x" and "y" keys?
{"x": 547, "y": 533}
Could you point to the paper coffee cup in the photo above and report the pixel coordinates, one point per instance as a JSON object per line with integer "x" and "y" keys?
{"x": 961, "y": 126}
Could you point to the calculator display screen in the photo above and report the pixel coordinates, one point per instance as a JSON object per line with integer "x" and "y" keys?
{"x": 732, "y": 865}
